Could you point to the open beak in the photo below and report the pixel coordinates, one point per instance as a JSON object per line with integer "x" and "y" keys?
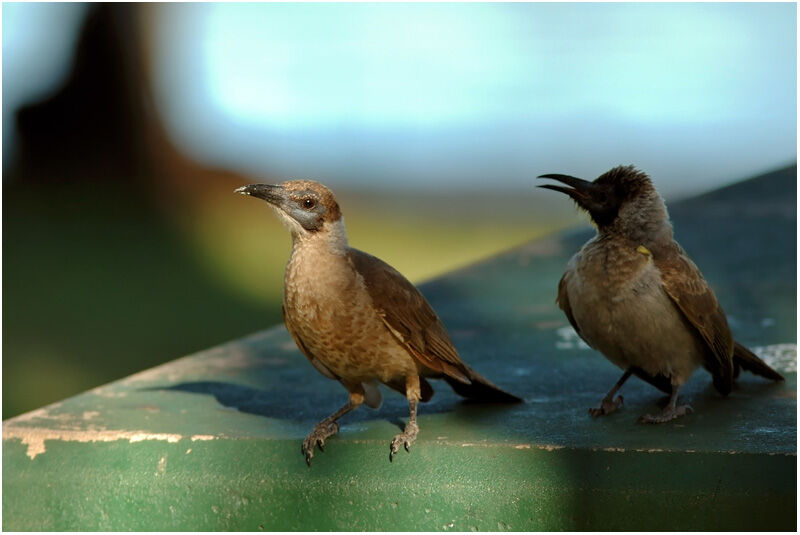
{"x": 580, "y": 190}
{"x": 272, "y": 194}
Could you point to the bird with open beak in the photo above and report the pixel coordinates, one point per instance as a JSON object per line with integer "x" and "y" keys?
{"x": 358, "y": 320}
{"x": 634, "y": 295}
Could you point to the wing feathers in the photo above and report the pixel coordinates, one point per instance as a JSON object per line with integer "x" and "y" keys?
{"x": 408, "y": 316}
{"x": 563, "y": 301}
{"x": 687, "y": 288}
{"x": 750, "y": 362}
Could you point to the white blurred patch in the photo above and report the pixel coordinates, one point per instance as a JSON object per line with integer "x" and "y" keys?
{"x": 781, "y": 357}
{"x": 569, "y": 339}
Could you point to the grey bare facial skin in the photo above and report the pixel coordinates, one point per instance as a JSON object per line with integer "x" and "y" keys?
{"x": 302, "y": 206}
{"x": 359, "y": 321}
{"x": 633, "y": 294}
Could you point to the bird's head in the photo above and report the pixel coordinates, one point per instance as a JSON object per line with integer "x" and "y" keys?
{"x": 307, "y": 208}
{"x": 623, "y": 193}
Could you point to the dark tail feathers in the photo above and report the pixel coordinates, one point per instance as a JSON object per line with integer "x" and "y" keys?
{"x": 747, "y": 360}
{"x": 481, "y": 389}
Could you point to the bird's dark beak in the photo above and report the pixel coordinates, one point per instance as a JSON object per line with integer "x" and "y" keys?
{"x": 272, "y": 194}
{"x": 580, "y": 191}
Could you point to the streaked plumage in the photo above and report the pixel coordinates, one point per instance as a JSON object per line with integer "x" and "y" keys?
{"x": 633, "y": 294}
{"x": 357, "y": 319}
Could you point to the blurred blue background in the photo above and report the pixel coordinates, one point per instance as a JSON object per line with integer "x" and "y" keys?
{"x": 126, "y": 127}
{"x": 453, "y": 95}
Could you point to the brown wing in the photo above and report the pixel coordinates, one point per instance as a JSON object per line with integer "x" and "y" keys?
{"x": 408, "y": 316}
{"x": 321, "y": 368}
{"x": 685, "y": 285}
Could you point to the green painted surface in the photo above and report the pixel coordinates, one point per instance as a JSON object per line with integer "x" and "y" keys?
{"x": 212, "y": 441}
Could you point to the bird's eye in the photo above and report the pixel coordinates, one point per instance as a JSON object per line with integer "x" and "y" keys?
{"x": 308, "y": 203}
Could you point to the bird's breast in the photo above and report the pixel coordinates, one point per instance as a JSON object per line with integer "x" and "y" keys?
{"x": 612, "y": 273}
{"x": 330, "y": 310}
{"x": 621, "y": 309}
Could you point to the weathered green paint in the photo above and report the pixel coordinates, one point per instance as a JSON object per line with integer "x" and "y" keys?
{"x": 212, "y": 441}
{"x": 251, "y": 485}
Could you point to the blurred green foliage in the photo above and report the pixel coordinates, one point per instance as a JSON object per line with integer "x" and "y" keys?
{"x": 96, "y": 287}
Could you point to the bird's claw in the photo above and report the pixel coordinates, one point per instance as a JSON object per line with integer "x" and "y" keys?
{"x": 406, "y": 438}
{"x": 607, "y": 406}
{"x": 666, "y": 415}
{"x": 394, "y": 448}
{"x": 317, "y": 439}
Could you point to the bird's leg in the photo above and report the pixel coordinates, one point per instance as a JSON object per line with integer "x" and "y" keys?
{"x": 670, "y": 412}
{"x": 609, "y": 404}
{"x": 328, "y": 427}
{"x": 409, "y": 434}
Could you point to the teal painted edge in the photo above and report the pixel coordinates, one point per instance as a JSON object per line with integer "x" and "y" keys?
{"x": 252, "y": 485}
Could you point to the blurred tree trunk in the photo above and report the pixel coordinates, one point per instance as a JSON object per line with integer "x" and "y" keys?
{"x": 102, "y": 125}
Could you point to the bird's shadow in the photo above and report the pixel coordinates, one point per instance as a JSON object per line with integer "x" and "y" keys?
{"x": 288, "y": 403}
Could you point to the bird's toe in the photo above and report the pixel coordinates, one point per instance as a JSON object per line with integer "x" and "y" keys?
{"x": 406, "y": 438}
{"x": 607, "y": 406}
{"x": 666, "y": 415}
{"x": 317, "y": 439}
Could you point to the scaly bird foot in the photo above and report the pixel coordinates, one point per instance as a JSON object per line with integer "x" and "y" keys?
{"x": 607, "y": 406}
{"x": 406, "y": 438}
{"x": 317, "y": 437}
{"x": 666, "y": 415}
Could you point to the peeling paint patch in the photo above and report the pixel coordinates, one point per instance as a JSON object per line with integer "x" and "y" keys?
{"x": 203, "y": 437}
{"x": 550, "y": 447}
{"x": 88, "y": 415}
{"x": 161, "y": 469}
{"x": 288, "y": 346}
{"x": 106, "y": 392}
{"x": 547, "y": 325}
{"x": 33, "y": 415}
{"x": 35, "y": 437}
{"x": 782, "y": 357}
{"x": 44, "y": 412}
{"x": 569, "y": 339}
{"x": 233, "y": 356}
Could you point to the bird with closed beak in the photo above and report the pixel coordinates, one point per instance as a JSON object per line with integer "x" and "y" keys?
{"x": 634, "y": 295}
{"x": 358, "y": 320}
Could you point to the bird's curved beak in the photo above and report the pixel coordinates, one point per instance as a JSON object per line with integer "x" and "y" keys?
{"x": 272, "y": 194}
{"x": 580, "y": 190}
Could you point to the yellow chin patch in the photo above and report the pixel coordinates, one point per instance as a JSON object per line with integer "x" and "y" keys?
{"x": 644, "y": 250}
